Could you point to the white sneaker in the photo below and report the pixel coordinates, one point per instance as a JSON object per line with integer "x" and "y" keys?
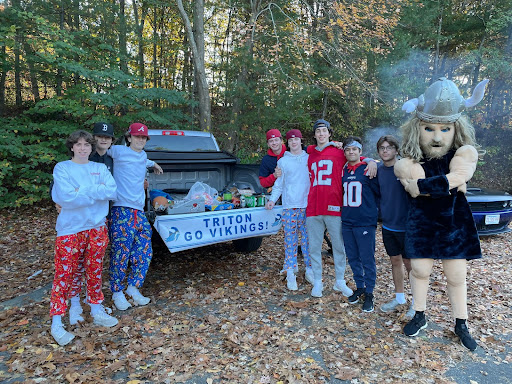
{"x": 291, "y": 281}
{"x": 341, "y": 286}
{"x": 120, "y": 301}
{"x": 137, "y": 296}
{"x": 390, "y": 306}
{"x": 318, "y": 287}
{"x": 74, "y": 314}
{"x": 101, "y": 318}
{"x": 410, "y": 313}
{"x": 61, "y": 336}
{"x": 310, "y": 277}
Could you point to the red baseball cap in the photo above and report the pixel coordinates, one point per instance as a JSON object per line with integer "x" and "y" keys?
{"x": 273, "y": 133}
{"x": 138, "y": 129}
{"x": 293, "y": 133}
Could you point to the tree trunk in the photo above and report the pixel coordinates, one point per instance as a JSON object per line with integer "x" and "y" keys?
{"x": 3, "y": 76}
{"x": 198, "y": 57}
{"x": 123, "y": 55}
{"x": 155, "y": 57}
{"x": 139, "y": 27}
{"x": 30, "y": 55}
{"x": 438, "y": 40}
{"x": 241, "y": 81}
{"x": 17, "y": 53}
{"x": 58, "y": 80}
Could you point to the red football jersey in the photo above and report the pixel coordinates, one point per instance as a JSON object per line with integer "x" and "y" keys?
{"x": 325, "y": 192}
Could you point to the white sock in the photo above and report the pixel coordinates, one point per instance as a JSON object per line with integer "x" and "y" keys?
{"x": 132, "y": 290}
{"x": 289, "y": 272}
{"x": 400, "y": 297}
{"x": 57, "y": 321}
{"x": 75, "y": 300}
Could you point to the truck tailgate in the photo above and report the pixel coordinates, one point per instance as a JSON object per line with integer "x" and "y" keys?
{"x": 187, "y": 231}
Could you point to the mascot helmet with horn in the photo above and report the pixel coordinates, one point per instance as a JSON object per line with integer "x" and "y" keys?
{"x": 442, "y": 101}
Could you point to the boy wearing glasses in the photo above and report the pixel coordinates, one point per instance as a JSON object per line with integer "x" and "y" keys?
{"x": 394, "y": 206}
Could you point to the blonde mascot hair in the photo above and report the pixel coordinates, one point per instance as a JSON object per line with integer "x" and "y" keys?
{"x": 464, "y": 135}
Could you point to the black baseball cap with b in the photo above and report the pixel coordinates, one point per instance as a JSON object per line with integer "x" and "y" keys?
{"x": 103, "y": 129}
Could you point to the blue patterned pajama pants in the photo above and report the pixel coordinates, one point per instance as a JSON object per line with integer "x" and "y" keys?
{"x": 294, "y": 221}
{"x": 130, "y": 246}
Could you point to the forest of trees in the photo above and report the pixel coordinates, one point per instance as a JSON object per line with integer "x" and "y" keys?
{"x": 238, "y": 68}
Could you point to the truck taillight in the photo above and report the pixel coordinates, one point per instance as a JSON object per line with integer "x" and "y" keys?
{"x": 173, "y": 133}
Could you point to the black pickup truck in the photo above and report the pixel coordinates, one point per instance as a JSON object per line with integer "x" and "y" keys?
{"x": 190, "y": 156}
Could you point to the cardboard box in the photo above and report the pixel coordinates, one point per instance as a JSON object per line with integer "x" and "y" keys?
{"x": 186, "y": 206}
{"x": 220, "y": 207}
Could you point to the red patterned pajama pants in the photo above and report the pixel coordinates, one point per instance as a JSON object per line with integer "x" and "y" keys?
{"x": 88, "y": 246}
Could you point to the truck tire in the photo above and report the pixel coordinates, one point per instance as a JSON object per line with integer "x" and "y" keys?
{"x": 250, "y": 244}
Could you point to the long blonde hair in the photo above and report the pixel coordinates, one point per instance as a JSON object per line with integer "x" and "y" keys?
{"x": 464, "y": 135}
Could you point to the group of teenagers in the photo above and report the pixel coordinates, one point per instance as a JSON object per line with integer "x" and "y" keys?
{"x": 329, "y": 186}
{"x": 100, "y": 195}
{"x": 418, "y": 190}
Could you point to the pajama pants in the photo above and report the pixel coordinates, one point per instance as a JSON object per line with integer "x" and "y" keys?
{"x": 89, "y": 246}
{"x": 294, "y": 220}
{"x": 360, "y": 248}
{"x": 316, "y": 227}
{"x": 131, "y": 245}
{"x": 76, "y": 286}
{"x": 455, "y": 272}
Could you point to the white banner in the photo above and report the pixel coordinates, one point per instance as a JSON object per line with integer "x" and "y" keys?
{"x": 186, "y": 231}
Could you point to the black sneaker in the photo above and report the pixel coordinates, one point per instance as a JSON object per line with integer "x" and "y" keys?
{"x": 413, "y": 327}
{"x": 464, "y": 336}
{"x": 368, "y": 302}
{"x": 356, "y": 296}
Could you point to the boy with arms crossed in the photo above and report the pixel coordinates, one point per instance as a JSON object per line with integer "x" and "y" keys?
{"x": 82, "y": 189}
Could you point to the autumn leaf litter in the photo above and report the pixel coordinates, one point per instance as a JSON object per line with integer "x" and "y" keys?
{"x": 221, "y": 316}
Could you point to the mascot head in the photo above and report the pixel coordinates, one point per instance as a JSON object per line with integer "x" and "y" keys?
{"x": 438, "y": 124}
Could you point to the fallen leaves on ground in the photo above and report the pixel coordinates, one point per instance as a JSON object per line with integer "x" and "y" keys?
{"x": 219, "y": 316}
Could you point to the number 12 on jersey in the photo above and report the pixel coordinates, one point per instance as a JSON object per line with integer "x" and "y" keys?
{"x": 322, "y": 172}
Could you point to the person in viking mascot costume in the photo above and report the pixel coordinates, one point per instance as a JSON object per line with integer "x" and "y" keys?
{"x": 439, "y": 158}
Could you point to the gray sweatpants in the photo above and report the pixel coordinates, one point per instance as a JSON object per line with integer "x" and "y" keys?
{"x": 316, "y": 226}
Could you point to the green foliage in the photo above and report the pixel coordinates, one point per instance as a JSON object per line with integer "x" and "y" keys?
{"x": 30, "y": 150}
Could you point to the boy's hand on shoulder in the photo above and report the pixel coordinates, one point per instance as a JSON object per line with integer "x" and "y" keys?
{"x": 338, "y": 144}
{"x": 278, "y": 172}
{"x": 371, "y": 169}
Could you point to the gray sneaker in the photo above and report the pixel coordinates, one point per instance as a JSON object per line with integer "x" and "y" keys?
{"x": 391, "y": 306}
{"x": 410, "y": 313}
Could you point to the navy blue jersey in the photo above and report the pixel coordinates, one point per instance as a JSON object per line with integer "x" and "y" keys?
{"x": 360, "y": 197}
{"x": 394, "y": 202}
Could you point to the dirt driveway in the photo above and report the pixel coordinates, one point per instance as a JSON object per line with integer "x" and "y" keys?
{"x": 218, "y": 316}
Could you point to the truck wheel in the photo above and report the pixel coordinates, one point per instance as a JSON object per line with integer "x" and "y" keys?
{"x": 250, "y": 244}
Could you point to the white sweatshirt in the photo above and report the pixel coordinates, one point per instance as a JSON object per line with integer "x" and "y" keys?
{"x": 83, "y": 191}
{"x": 129, "y": 173}
{"x": 294, "y": 182}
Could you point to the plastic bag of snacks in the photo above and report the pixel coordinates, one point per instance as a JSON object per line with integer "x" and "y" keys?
{"x": 202, "y": 190}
